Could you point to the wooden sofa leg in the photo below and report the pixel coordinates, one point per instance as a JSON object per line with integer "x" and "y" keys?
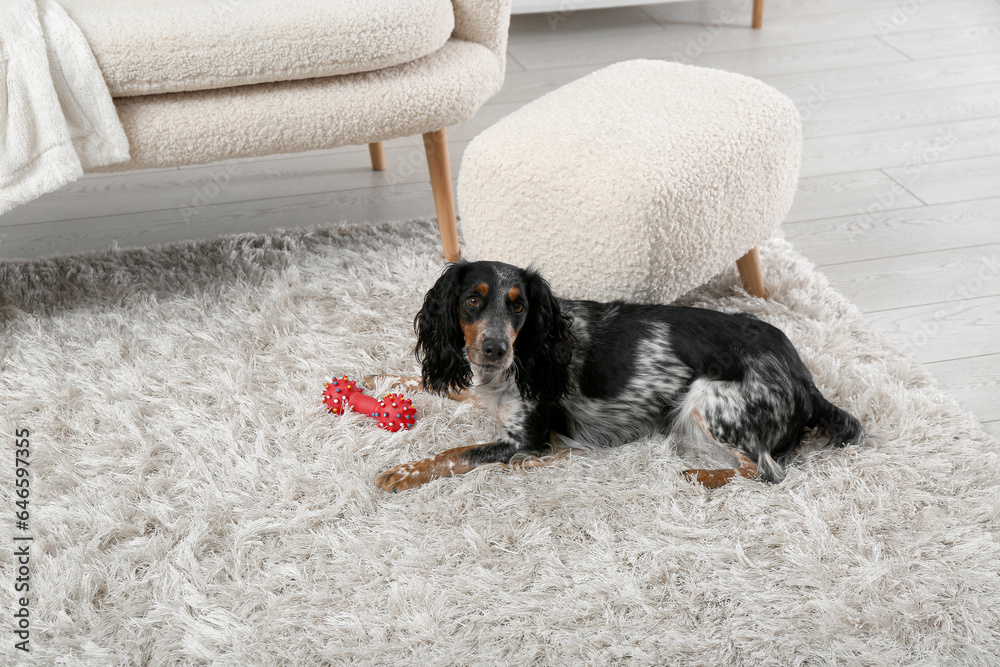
{"x": 377, "y": 151}
{"x": 758, "y": 14}
{"x": 436, "y": 147}
{"x": 750, "y": 271}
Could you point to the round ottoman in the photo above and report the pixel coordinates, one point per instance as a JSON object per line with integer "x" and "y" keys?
{"x": 640, "y": 181}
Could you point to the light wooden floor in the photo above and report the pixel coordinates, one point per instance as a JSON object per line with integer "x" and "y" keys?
{"x": 899, "y": 200}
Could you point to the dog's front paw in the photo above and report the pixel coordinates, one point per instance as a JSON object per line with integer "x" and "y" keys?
{"x": 415, "y": 473}
{"x": 406, "y": 476}
{"x": 710, "y": 479}
{"x": 410, "y": 384}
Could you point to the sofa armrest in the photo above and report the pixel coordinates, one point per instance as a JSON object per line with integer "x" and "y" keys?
{"x": 484, "y": 22}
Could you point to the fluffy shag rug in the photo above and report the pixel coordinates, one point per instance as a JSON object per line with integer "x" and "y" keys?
{"x": 192, "y": 502}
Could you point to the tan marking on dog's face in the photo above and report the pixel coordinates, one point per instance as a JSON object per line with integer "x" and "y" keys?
{"x": 474, "y": 351}
{"x": 486, "y": 315}
{"x": 511, "y": 337}
{"x": 474, "y": 333}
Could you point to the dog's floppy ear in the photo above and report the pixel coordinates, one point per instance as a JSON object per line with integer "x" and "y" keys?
{"x": 440, "y": 343}
{"x": 544, "y": 346}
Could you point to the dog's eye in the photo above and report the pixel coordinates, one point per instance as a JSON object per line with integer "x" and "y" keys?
{"x": 518, "y": 307}
{"x": 473, "y": 302}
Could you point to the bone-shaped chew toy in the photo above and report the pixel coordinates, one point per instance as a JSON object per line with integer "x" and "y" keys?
{"x": 393, "y": 412}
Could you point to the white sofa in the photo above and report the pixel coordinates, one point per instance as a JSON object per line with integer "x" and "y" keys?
{"x": 197, "y": 81}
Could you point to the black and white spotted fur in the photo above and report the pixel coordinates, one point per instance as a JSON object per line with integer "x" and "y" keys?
{"x": 605, "y": 374}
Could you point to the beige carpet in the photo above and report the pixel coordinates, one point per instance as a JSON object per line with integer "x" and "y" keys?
{"x": 193, "y": 503}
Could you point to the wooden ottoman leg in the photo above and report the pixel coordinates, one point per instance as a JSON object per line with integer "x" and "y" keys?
{"x": 750, "y": 271}
{"x": 758, "y": 14}
{"x": 436, "y": 147}
{"x": 377, "y": 151}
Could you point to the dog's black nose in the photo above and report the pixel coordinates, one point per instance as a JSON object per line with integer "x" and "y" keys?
{"x": 493, "y": 349}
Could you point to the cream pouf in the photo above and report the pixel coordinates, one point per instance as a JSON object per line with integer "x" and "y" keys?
{"x": 641, "y": 181}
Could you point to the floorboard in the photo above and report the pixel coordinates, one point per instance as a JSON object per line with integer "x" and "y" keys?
{"x": 941, "y": 276}
{"x": 944, "y": 331}
{"x": 683, "y": 44}
{"x": 897, "y": 233}
{"x": 953, "y": 41}
{"x": 892, "y": 111}
{"x": 909, "y": 76}
{"x": 972, "y": 381}
{"x": 955, "y": 180}
{"x": 852, "y": 193}
{"x": 249, "y": 215}
{"x": 883, "y": 21}
{"x": 913, "y": 147}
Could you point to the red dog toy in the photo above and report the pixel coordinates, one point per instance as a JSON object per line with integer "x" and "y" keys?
{"x": 393, "y": 412}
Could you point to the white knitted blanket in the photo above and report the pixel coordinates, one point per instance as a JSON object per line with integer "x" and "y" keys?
{"x": 56, "y": 114}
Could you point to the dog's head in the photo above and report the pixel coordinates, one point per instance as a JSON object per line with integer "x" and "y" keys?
{"x": 497, "y": 318}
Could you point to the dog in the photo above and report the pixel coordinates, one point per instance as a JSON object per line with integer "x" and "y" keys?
{"x": 596, "y": 375}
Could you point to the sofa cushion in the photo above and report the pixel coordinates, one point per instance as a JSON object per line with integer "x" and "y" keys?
{"x": 440, "y": 90}
{"x": 162, "y": 46}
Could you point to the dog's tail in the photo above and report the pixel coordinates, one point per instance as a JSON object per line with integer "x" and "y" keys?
{"x": 843, "y": 428}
